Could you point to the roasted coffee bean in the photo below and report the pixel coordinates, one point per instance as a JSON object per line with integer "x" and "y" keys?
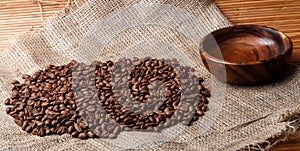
{"x": 35, "y": 131}
{"x": 42, "y": 132}
{"x": 48, "y": 131}
{"x": 61, "y": 130}
{"x": 46, "y": 104}
{"x": 90, "y": 134}
{"x": 78, "y": 127}
{"x": 74, "y": 134}
{"x": 7, "y": 101}
{"x": 82, "y": 135}
{"x": 19, "y": 122}
{"x": 8, "y": 110}
{"x": 112, "y": 136}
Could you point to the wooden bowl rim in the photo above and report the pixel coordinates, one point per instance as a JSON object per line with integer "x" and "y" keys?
{"x": 215, "y": 59}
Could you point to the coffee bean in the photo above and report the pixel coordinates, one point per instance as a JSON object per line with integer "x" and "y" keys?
{"x": 41, "y": 132}
{"x": 35, "y": 131}
{"x": 78, "y": 127}
{"x": 40, "y": 124}
{"x": 46, "y": 104}
{"x": 61, "y": 130}
{"x": 15, "y": 82}
{"x": 90, "y": 134}
{"x": 74, "y": 134}
{"x": 8, "y": 110}
{"x": 117, "y": 130}
{"x": 28, "y": 128}
{"x": 18, "y": 122}
{"x": 82, "y": 136}
{"x": 112, "y": 136}
{"x": 48, "y": 131}
{"x": 48, "y": 122}
{"x": 7, "y": 101}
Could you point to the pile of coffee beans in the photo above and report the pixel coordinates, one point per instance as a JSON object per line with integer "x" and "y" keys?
{"x": 105, "y": 98}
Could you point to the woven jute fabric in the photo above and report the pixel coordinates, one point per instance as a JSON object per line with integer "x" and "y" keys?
{"x": 238, "y": 116}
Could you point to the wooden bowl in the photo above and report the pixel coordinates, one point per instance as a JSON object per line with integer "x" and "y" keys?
{"x": 246, "y": 54}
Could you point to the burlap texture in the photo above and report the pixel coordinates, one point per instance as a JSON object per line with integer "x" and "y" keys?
{"x": 97, "y": 29}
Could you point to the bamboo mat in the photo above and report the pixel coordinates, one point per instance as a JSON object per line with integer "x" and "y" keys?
{"x": 24, "y": 15}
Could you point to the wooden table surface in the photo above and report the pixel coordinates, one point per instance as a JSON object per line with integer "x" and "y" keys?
{"x": 283, "y": 15}
{"x": 23, "y": 15}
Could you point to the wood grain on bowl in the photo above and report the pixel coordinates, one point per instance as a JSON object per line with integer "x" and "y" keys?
{"x": 248, "y": 54}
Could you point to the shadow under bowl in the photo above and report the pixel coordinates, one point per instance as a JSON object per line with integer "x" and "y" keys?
{"x": 246, "y": 54}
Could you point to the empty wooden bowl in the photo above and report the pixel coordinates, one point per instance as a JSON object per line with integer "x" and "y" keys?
{"x": 246, "y": 54}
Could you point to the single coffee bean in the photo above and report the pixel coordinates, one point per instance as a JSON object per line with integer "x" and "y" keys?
{"x": 48, "y": 122}
{"x": 19, "y": 122}
{"x": 112, "y": 136}
{"x": 74, "y": 134}
{"x": 78, "y": 127}
{"x": 7, "y": 101}
{"x": 41, "y": 132}
{"x": 117, "y": 130}
{"x": 8, "y": 110}
{"x": 40, "y": 124}
{"x": 82, "y": 135}
{"x": 48, "y": 131}
{"x": 90, "y": 134}
{"x": 35, "y": 131}
{"x": 15, "y": 82}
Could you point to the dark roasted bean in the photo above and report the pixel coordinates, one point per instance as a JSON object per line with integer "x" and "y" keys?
{"x": 7, "y": 101}
{"x": 82, "y": 135}
{"x": 45, "y": 103}
{"x": 78, "y": 127}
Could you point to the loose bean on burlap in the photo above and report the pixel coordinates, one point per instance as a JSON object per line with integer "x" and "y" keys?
{"x": 107, "y": 30}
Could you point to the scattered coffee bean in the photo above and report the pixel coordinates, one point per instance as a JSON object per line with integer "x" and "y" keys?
{"x": 105, "y": 98}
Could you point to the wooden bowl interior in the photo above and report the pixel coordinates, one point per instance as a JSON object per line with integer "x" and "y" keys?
{"x": 245, "y": 44}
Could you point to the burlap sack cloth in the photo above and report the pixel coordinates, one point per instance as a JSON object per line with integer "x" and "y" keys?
{"x": 96, "y": 29}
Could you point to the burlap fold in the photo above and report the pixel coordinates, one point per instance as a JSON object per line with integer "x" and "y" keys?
{"x": 106, "y": 30}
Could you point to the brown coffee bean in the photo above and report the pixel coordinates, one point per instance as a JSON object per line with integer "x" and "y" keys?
{"x": 41, "y": 132}
{"x": 43, "y": 104}
{"x": 75, "y": 134}
{"x": 68, "y": 123}
{"x": 78, "y": 127}
{"x": 61, "y": 130}
{"x": 70, "y": 129}
{"x": 90, "y": 134}
{"x": 48, "y": 122}
{"x": 199, "y": 112}
{"x": 28, "y": 128}
{"x": 64, "y": 112}
{"x": 35, "y": 131}
{"x": 112, "y": 136}
{"x": 117, "y": 130}
{"x": 8, "y": 110}
{"x": 82, "y": 135}
{"x": 25, "y": 124}
{"x": 46, "y": 100}
{"x": 40, "y": 124}
{"x": 48, "y": 131}
{"x": 15, "y": 82}
{"x": 7, "y": 101}
{"x": 19, "y": 122}
{"x": 167, "y": 123}
{"x": 204, "y": 108}
{"x": 110, "y": 128}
